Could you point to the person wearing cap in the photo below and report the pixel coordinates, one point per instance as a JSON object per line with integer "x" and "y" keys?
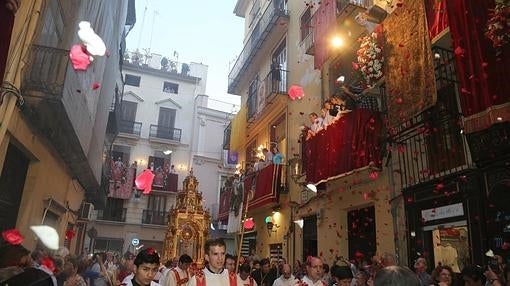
{"x": 146, "y": 267}
{"x": 179, "y": 276}
{"x": 214, "y": 273}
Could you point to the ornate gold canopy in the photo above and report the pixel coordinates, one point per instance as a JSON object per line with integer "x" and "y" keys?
{"x": 188, "y": 224}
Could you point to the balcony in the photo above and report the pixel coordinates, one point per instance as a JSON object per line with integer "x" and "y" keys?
{"x": 268, "y": 24}
{"x": 50, "y": 88}
{"x": 351, "y": 143}
{"x": 130, "y": 128}
{"x": 113, "y": 124}
{"x": 265, "y": 94}
{"x": 308, "y": 42}
{"x": 164, "y": 181}
{"x": 118, "y": 215}
{"x": 165, "y": 133}
{"x": 154, "y": 217}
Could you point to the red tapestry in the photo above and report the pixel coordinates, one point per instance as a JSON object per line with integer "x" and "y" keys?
{"x": 352, "y": 142}
{"x": 324, "y": 22}
{"x": 264, "y": 185}
{"x": 409, "y": 74}
{"x": 121, "y": 180}
{"x": 482, "y": 72}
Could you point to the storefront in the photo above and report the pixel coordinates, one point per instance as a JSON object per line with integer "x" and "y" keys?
{"x": 445, "y": 221}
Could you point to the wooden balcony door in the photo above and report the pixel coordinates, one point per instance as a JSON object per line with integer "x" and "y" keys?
{"x": 166, "y": 123}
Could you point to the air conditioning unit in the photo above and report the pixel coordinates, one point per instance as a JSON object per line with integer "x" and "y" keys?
{"x": 86, "y": 211}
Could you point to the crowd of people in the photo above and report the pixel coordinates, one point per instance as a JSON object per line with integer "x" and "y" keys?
{"x": 337, "y": 106}
{"x": 18, "y": 266}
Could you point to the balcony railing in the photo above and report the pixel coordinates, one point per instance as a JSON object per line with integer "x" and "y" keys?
{"x": 267, "y": 21}
{"x": 154, "y": 217}
{"x": 130, "y": 127}
{"x": 118, "y": 215}
{"x": 273, "y": 84}
{"x": 163, "y": 132}
{"x": 308, "y": 41}
{"x": 47, "y": 71}
{"x": 341, "y": 5}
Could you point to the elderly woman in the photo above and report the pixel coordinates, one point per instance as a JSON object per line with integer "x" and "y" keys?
{"x": 442, "y": 276}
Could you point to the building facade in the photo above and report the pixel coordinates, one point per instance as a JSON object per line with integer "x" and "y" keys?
{"x": 419, "y": 155}
{"x": 53, "y": 121}
{"x": 165, "y": 126}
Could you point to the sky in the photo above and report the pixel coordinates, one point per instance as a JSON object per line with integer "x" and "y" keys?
{"x": 201, "y": 31}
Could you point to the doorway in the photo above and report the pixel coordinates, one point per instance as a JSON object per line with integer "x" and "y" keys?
{"x": 12, "y": 182}
{"x": 309, "y": 236}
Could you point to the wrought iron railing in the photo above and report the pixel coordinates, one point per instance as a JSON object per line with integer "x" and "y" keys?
{"x": 307, "y": 31}
{"x": 130, "y": 127}
{"x": 154, "y": 217}
{"x": 163, "y": 132}
{"x": 112, "y": 214}
{"x": 46, "y": 71}
{"x": 259, "y": 33}
{"x": 252, "y": 106}
{"x": 275, "y": 83}
{"x": 342, "y": 4}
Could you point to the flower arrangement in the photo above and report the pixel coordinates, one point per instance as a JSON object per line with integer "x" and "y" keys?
{"x": 370, "y": 58}
{"x": 498, "y": 25}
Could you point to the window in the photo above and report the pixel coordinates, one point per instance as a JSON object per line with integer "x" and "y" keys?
{"x": 254, "y": 11}
{"x": 275, "y": 252}
{"x": 170, "y": 87}
{"x": 157, "y": 203}
{"x": 108, "y": 244}
{"x": 133, "y": 80}
{"x": 306, "y": 23}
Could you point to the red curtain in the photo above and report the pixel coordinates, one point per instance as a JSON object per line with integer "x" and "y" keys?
{"x": 482, "y": 73}
{"x": 265, "y": 183}
{"x": 437, "y": 18}
{"x": 353, "y": 142}
{"x": 324, "y": 21}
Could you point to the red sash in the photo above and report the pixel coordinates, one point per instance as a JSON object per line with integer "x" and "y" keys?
{"x": 178, "y": 278}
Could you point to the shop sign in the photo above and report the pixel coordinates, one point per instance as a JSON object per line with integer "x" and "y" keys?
{"x": 443, "y": 212}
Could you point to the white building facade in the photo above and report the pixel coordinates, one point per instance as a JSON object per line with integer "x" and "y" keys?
{"x": 166, "y": 127}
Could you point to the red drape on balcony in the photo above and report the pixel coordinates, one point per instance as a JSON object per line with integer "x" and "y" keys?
{"x": 323, "y": 23}
{"x": 265, "y": 184}
{"x": 437, "y": 18}
{"x": 121, "y": 181}
{"x": 352, "y": 142}
{"x": 483, "y": 75}
{"x": 6, "y": 24}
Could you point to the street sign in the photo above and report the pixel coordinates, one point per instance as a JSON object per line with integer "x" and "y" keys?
{"x": 135, "y": 241}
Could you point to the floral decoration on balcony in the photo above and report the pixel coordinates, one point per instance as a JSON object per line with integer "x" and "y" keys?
{"x": 498, "y": 25}
{"x": 370, "y": 58}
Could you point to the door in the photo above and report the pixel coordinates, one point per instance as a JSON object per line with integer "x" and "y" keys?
{"x": 449, "y": 244}
{"x": 12, "y": 181}
{"x": 166, "y": 123}
{"x": 281, "y": 58}
{"x": 309, "y": 236}
{"x": 128, "y": 116}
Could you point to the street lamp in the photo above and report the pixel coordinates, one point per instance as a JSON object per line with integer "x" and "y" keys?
{"x": 296, "y": 168}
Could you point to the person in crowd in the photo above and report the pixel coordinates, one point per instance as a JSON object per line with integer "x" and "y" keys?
{"x": 258, "y": 165}
{"x": 442, "y": 276}
{"x": 268, "y": 155}
{"x": 13, "y": 260}
{"x": 179, "y": 276}
{"x": 420, "y": 268}
{"x": 265, "y": 276}
{"x": 342, "y": 275}
{"x": 396, "y": 276}
{"x": 244, "y": 275}
{"x": 327, "y": 114}
{"x": 316, "y": 123}
{"x": 494, "y": 279}
{"x": 286, "y": 278}
{"x": 326, "y": 277}
{"x": 214, "y": 272}
{"x": 298, "y": 270}
{"x": 360, "y": 100}
{"x": 127, "y": 266}
{"x": 230, "y": 262}
{"x": 164, "y": 271}
{"x": 314, "y": 272}
{"x": 473, "y": 276}
{"x": 361, "y": 278}
{"x": 277, "y": 156}
{"x": 388, "y": 259}
{"x": 255, "y": 266}
{"x": 71, "y": 269}
{"x": 146, "y": 267}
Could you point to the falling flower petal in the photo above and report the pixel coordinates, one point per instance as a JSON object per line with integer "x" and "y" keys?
{"x": 79, "y": 58}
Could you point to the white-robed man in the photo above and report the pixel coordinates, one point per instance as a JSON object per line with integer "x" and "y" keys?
{"x": 214, "y": 274}
{"x": 179, "y": 275}
{"x": 314, "y": 272}
{"x": 286, "y": 279}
